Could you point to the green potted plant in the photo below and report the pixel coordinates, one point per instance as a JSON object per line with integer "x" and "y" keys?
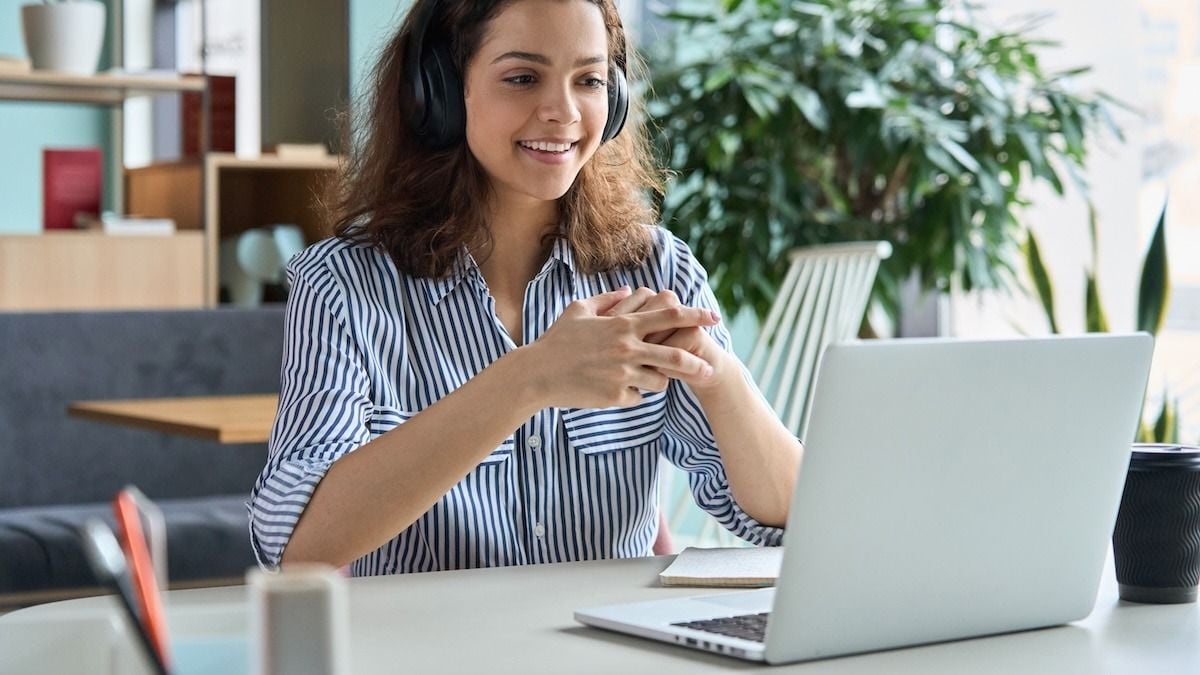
{"x": 793, "y": 123}
{"x": 1154, "y": 296}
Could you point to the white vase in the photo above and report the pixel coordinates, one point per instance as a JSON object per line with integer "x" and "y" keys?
{"x": 65, "y": 37}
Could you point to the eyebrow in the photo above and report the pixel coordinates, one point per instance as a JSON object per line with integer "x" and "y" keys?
{"x": 545, "y": 61}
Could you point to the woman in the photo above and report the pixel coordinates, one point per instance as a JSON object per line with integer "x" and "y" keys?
{"x": 469, "y": 377}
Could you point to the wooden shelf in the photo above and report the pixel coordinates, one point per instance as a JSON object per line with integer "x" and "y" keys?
{"x": 110, "y": 88}
{"x": 228, "y": 160}
{"x": 76, "y": 270}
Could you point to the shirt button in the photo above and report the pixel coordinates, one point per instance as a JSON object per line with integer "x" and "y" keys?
{"x": 539, "y": 530}
{"x": 535, "y": 442}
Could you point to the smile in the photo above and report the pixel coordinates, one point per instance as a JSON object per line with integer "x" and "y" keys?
{"x": 549, "y": 153}
{"x": 544, "y": 146}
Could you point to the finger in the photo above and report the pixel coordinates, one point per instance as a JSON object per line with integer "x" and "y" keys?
{"x": 659, "y": 338}
{"x": 671, "y": 318}
{"x": 649, "y": 379}
{"x": 636, "y": 301}
{"x": 684, "y": 338}
{"x": 676, "y": 360}
{"x": 668, "y": 298}
{"x": 688, "y": 378}
{"x": 665, "y": 298}
{"x": 630, "y": 397}
{"x": 597, "y": 304}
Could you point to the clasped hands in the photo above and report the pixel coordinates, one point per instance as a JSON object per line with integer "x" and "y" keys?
{"x": 604, "y": 350}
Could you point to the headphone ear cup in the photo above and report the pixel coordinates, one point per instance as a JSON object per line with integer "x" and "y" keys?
{"x": 618, "y": 104}
{"x": 445, "y": 110}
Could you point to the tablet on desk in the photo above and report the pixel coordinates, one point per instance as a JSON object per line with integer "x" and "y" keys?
{"x": 108, "y": 562}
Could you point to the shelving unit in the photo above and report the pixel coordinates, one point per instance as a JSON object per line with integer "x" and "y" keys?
{"x": 241, "y": 194}
{"x": 220, "y": 195}
{"x": 238, "y": 194}
{"x": 86, "y": 270}
{"x": 63, "y": 270}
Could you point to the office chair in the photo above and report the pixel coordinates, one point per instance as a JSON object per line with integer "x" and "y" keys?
{"x": 822, "y": 301}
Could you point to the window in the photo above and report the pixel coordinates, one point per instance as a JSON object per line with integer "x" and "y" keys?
{"x": 1170, "y": 103}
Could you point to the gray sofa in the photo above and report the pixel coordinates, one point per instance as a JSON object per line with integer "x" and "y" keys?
{"x": 56, "y": 471}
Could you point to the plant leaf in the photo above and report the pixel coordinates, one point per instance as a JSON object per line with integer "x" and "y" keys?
{"x": 867, "y": 96}
{"x": 1154, "y": 291}
{"x": 959, "y": 153}
{"x": 1166, "y": 426}
{"x": 1096, "y": 321}
{"x": 942, "y": 160}
{"x": 1041, "y": 279}
{"x": 809, "y": 104}
{"x": 718, "y": 78}
{"x": 1093, "y": 234}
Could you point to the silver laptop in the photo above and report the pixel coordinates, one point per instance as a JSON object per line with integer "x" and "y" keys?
{"x": 948, "y": 489}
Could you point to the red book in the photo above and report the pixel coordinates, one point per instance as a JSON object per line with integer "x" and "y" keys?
{"x": 222, "y": 93}
{"x": 72, "y": 181}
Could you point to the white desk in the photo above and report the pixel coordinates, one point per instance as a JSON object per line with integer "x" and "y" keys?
{"x": 518, "y": 619}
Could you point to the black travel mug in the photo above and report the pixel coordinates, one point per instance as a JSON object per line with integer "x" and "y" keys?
{"x": 1156, "y": 543}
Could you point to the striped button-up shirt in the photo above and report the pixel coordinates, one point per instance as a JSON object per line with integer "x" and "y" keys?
{"x": 368, "y": 347}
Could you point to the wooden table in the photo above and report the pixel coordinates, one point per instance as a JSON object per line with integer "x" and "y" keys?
{"x": 243, "y": 418}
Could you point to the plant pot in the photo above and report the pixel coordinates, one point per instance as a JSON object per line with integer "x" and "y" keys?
{"x": 64, "y": 37}
{"x": 1156, "y": 542}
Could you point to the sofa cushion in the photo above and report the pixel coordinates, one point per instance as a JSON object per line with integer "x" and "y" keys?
{"x": 206, "y": 538}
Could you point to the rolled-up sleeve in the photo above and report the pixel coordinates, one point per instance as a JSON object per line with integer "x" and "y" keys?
{"x": 324, "y": 408}
{"x": 688, "y": 441}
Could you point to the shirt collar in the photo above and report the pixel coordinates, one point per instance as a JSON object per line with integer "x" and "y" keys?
{"x": 438, "y": 288}
{"x": 563, "y": 253}
{"x": 464, "y": 266}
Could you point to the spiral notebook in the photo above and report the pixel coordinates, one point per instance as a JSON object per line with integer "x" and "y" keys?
{"x": 724, "y": 567}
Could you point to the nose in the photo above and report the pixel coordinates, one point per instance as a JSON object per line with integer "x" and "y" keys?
{"x": 558, "y": 106}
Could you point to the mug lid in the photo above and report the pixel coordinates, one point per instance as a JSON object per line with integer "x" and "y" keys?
{"x": 1165, "y": 455}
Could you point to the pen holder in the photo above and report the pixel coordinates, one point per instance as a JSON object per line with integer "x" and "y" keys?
{"x": 299, "y": 621}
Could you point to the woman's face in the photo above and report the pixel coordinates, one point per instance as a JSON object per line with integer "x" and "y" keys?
{"x": 536, "y": 96}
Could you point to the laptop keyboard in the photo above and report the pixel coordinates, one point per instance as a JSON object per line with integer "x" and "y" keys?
{"x": 751, "y": 627}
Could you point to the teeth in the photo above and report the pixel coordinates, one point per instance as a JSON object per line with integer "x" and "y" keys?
{"x": 546, "y": 147}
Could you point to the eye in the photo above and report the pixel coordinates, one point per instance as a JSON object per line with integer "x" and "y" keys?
{"x": 520, "y": 80}
{"x": 594, "y": 83}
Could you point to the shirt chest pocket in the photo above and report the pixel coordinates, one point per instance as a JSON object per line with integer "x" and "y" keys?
{"x": 594, "y": 431}
{"x": 384, "y": 419}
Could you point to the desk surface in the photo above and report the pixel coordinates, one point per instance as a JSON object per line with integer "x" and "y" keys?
{"x": 224, "y": 419}
{"x": 519, "y": 619}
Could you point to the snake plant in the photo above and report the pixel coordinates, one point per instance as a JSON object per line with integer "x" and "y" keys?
{"x": 1154, "y": 294}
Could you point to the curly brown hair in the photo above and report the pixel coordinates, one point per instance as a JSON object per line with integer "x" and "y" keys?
{"x": 422, "y": 206}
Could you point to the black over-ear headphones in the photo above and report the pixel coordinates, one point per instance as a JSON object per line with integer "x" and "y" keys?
{"x": 438, "y": 114}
